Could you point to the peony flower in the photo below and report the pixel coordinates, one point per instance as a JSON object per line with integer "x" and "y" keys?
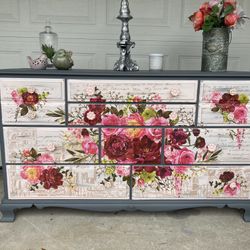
{"x": 51, "y": 178}
{"x": 232, "y": 189}
{"x": 118, "y": 147}
{"x": 17, "y": 98}
{"x": 92, "y": 117}
{"x": 112, "y": 120}
{"x": 240, "y": 114}
{"x": 227, "y": 176}
{"x": 135, "y": 119}
{"x": 123, "y": 171}
{"x": 198, "y": 20}
{"x": 184, "y": 156}
{"x": 30, "y": 99}
{"x": 179, "y": 136}
{"x": 146, "y": 151}
{"x": 230, "y": 20}
{"x": 45, "y": 158}
{"x": 89, "y": 147}
{"x": 155, "y": 133}
{"x": 31, "y": 173}
{"x": 164, "y": 172}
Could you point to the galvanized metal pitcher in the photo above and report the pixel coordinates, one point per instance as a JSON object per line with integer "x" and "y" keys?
{"x": 215, "y": 49}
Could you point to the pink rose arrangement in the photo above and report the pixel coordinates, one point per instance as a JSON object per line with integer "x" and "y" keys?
{"x": 41, "y": 176}
{"x": 233, "y": 108}
{"x": 28, "y": 101}
{"x": 228, "y": 184}
{"x": 217, "y": 14}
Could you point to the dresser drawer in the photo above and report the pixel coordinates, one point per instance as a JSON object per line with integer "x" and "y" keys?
{"x": 133, "y": 90}
{"x": 173, "y": 182}
{"x": 67, "y": 182}
{"x": 29, "y": 101}
{"x": 224, "y": 103}
{"x": 131, "y": 114}
{"x": 50, "y": 145}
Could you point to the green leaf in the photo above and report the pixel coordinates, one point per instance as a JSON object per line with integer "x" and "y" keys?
{"x": 114, "y": 110}
{"x": 33, "y": 153}
{"x": 49, "y": 51}
{"x": 24, "y": 111}
{"x": 215, "y": 9}
{"x": 166, "y": 114}
{"x": 71, "y": 152}
{"x": 120, "y": 113}
{"x": 215, "y": 109}
{"x": 228, "y": 10}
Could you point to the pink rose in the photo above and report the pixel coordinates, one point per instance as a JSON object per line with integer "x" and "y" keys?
{"x": 89, "y": 147}
{"x": 184, "y": 156}
{"x": 123, "y": 171}
{"x": 31, "y": 173}
{"x": 16, "y": 97}
{"x": 26, "y": 152}
{"x": 240, "y": 114}
{"x": 112, "y": 120}
{"x": 232, "y": 189}
{"x": 205, "y": 8}
{"x": 156, "y": 133}
{"x": 181, "y": 169}
{"x": 135, "y": 119}
{"x": 215, "y": 97}
{"x": 45, "y": 158}
{"x": 231, "y": 19}
{"x": 198, "y": 20}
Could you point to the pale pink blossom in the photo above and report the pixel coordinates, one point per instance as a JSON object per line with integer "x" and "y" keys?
{"x": 123, "y": 170}
{"x": 232, "y": 188}
{"x": 211, "y": 148}
{"x": 26, "y": 152}
{"x": 16, "y": 97}
{"x": 45, "y": 158}
{"x": 140, "y": 183}
{"x": 215, "y": 97}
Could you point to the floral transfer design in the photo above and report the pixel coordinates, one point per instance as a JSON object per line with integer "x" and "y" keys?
{"x": 98, "y": 112}
{"x": 40, "y": 176}
{"x": 228, "y": 184}
{"x": 28, "y": 102}
{"x": 233, "y": 108}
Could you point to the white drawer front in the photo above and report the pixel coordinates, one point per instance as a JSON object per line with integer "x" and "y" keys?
{"x": 127, "y": 90}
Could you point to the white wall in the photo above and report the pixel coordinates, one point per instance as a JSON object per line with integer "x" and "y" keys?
{"x": 89, "y": 28}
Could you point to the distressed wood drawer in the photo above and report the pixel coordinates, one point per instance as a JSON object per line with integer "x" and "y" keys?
{"x": 224, "y": 103}
{"x": 134, "y": 90}
{"x": 29, "y": 100}
{"x": 50, "y": 145}
{"x": 173, "y": 182}
{"x": 72, "y": 182}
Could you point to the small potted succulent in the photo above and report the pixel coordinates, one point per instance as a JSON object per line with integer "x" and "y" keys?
{"x": 217, "y": 19}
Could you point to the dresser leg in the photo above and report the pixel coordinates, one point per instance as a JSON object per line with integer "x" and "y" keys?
{"x": 8, "y": 214}
{"x": 247, "y": 215}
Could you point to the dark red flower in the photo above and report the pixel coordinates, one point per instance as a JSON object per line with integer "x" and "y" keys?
{"x": 118, "y": 147}
{"x": 97, "y": 108}
{"x": 92, "y": 118}
{"x": 164, "y": 172}
{"x": 30, "y": 99}
{"x": 196, "y": 131}
{"x": 226, "y": 176}
{"x": 179, "y": 136}
{"x": 51, "y": 178}
{"x": 85, "y": 132}
{"x": 146, "y": 150}
{"x": 200, "y": 142}
{"x": 228, "y": 102}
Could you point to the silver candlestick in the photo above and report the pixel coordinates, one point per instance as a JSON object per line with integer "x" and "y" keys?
{"x": 125, "y": 63}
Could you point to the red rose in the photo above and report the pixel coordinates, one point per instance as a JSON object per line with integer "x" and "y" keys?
{"x": 231, "y": 19}
{"x": 146, "y": 151}
{"x": 232, "y": 3}
{"x": 51, "y": 178}
{"x": 30, "y": 99}
{"x": 206, "y": 8}
{"x": 179, "y": 136}
{"x": 92, "y": 117}
{"x": 97, "y": 108}
{"x": 198, "y": 20}
{"x": 118, "y": 147}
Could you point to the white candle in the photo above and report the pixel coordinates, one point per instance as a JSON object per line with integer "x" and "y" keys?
{"x": 156, "y": 61}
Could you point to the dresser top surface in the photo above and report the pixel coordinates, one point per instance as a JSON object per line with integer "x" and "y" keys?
{"x": 110, "y": 73}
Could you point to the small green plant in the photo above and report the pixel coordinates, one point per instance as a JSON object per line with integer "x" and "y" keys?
{"x": 49, "y": 51}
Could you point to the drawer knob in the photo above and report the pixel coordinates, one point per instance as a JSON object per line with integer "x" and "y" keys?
{"x": 175, "y": 92}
